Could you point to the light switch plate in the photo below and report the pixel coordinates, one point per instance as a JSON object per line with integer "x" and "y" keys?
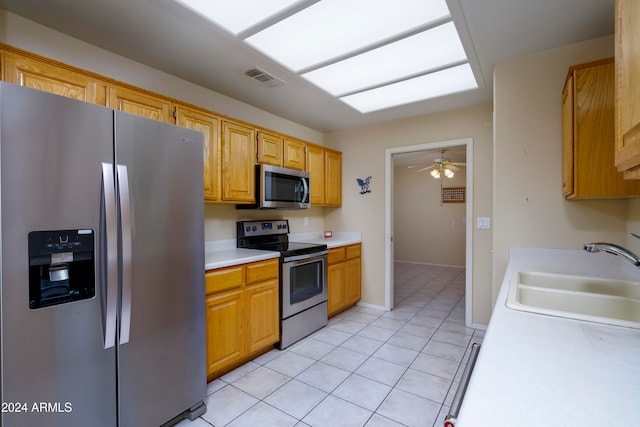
{"x": 483, "y": 223}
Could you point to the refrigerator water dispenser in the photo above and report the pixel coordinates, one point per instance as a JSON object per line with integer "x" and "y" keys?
{"x": 61, "y": 267}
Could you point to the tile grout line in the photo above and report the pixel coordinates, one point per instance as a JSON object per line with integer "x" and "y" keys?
{"x": 442, "y": 325}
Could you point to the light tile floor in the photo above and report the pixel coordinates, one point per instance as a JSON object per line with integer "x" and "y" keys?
{"x": 366, "y": 368}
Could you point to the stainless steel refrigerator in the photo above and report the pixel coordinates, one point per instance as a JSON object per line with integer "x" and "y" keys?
{"x": 101, "y": 274}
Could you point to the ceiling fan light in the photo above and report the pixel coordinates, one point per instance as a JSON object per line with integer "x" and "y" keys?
{"x": 435, "y": 173}
{"x": 448, "y": 173}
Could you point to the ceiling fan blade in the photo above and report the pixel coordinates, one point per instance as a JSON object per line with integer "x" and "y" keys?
{"x": 452, "y": 167}
{"x": 425, "y": 169}
{"x": 458, "y": 163}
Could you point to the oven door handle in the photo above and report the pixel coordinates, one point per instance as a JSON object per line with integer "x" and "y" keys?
{"x": 306, "y": 256}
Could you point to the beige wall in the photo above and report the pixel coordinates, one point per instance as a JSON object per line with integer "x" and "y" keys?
{"x": 529, "y": 208}
{"x": 219, "y": 219}
{"x": 426, "y": 230}
{"x": 364, "y": 154}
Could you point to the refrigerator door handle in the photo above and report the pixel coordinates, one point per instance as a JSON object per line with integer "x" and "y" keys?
{"x": 125, "y": 222}
{"x": 110, "y": 257}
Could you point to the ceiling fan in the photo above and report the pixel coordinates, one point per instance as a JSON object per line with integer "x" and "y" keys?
{"x": 441, "y": 166}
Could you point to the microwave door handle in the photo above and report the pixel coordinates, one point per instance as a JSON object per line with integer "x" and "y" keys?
{"x": 306, "y": 190}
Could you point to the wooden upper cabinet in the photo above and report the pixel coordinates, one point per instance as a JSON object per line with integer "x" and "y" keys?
{"x": 238, "y": 162}
{"x": 269, "y": 148}
{"x": 588, "y": 134}
{"x": 281, "y": 151}
{"x": 209, "y": 125}
{"x": 315, "y": 167}
{"x": 567, "y": 136}
{"x": 47, "y": 77}
{"x": 333, "y": 178}
{"x": 294, "y": 154}
{"x": 325, "y": 167}
{"x": 139, "y": 103}
{"x": 627, "y": 89}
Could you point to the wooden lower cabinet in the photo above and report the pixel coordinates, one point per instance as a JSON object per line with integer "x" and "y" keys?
{"x": 262, "y": 315}
{"x": 242, "y": 317}
{"x": 337, "y": 300}
{"x": 225, "y": 343}
{"x": 344, "y": 278}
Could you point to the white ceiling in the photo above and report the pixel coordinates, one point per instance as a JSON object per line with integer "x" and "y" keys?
{"x": 166, "y": 36}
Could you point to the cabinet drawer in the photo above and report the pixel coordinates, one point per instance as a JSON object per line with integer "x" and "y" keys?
{"x": 336, "y": 255}
{"x": 352, "y": 251}
{"x": 224, "y": 278}
{"x": 262, "y": 270}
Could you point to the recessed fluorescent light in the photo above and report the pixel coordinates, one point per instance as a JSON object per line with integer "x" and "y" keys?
{"x": 448, "y": 81}
{"x": 331, "y": 28}
{"x": 237, "y": 16}
{"x": 417, "y": 54}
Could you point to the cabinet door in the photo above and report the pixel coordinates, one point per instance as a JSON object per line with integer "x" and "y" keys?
{"x": 262, "y": 315}
{"x": 225, "y": 343}
{"x": 40, "y": 75}
{"x": 333, "y": 180}
{"x": 209, "y": 125}
{"x": 294, "y": 154}
{"x": 238, "y": 164}
{"x": 337, "y": 295}
{"x": 139, "y": 103}
{"x": 588, "y": 135}
{"x": 353, "y": 277}
{"x": 627, "y": 109}
{"x": 261, "y": 271}
{"x": 567, "y": 137}
{"x": 315, "y": 167}
{"x": 269, "y": 148}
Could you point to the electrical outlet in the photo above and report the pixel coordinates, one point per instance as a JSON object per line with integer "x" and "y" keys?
{"x": 306, "y": 221}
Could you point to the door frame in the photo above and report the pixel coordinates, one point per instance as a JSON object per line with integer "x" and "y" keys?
{"x": 389, "y": 212}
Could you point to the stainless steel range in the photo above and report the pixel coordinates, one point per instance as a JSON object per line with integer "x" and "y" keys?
{"x": 303, "y": 276}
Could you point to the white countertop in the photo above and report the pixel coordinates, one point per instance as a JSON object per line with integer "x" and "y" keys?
{"x": 535, "y": 370}
{"x": 223, "y": 253}
{"x": 340, "y": 238}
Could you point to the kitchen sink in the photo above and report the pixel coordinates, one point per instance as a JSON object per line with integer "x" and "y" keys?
{"x": 613, "y": 302}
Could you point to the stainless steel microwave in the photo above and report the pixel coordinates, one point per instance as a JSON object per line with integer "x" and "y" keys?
{"x": 280, "y": 188}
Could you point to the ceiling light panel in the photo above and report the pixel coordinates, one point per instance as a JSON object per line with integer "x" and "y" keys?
{"x": 330, "y": 29}
{"x": 237, "y": 16}
{"x": 420, "y": 53}
{"x": 448, "y": 81}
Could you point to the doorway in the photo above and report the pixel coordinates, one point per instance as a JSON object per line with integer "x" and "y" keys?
{"x": 467, "y": 143}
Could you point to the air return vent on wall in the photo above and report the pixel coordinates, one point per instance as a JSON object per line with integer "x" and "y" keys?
{"x": 265, "y": 77}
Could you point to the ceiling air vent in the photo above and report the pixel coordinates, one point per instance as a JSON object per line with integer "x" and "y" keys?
{"x": 263, "y": 76}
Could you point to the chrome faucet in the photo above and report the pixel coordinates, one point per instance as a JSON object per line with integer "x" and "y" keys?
{"x": 615, "y": 250}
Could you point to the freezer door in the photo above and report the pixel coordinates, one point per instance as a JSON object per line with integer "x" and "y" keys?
{"x": 162, "y": 351}
{"x": 55, "y": 369}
